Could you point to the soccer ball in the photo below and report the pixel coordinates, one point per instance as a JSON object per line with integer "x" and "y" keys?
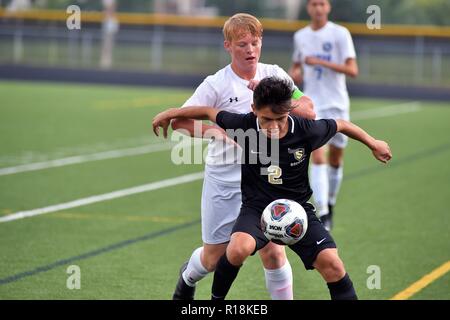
{"x": 284, "y": 222}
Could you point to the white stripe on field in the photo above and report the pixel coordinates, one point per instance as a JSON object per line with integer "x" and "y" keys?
{"x": 86, "y": 158}
{"x": 358, "y": 115}
{"x": 104, "y": 197}
{"x": 388, "y": 111}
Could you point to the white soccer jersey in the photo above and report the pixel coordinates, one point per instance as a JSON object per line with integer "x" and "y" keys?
{"x": 333, "y": 43}
{"x": 225, "y": 90}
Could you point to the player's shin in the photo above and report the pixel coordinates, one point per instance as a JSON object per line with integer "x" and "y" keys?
{"x": 319, "y": 185}
{"x": 342, "y": 289}
{"x": 195, "y": 271}
{"x": 223, "y": 278}
{"x": 334, "y": 178}
{"x": 279, "y": 282}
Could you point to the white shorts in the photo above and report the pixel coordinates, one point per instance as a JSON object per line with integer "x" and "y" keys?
{"x": 339, "y": 140}
{"x": 221, "y": 204}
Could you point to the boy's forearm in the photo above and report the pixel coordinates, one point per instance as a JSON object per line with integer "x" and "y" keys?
{"x": 197, "y": 113}
{"x": 303, "y": 107}
{"x": 296, "y": 73}
{"x": 192, "y": 127}
{"x": 349, "y": 68}
{"x": 353, "y": 131}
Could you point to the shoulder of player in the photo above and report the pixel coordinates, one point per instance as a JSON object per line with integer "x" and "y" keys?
{"x": 337, "y": 28}
{"x": 216, "y": 81}
{"x": 268, "y": 69}
{"x": 301, "y": 32}
{"x": 248, "y": 120}
{"x": 305, "y": 125}
{"x": 299, "y": 122}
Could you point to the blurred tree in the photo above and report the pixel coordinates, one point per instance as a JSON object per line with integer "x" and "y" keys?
{"x": 432, "y": 12}
{"x": 230, "y": 7}
{"x": 140, "y": 6}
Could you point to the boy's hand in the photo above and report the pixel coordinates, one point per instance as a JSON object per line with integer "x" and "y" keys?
{"x": 219, "y": 135}
{"x": 311, "y": 60}
{"x": 162, "y": 120}
{"x": 252, "y": 84}
{"x": 381, "y": 151}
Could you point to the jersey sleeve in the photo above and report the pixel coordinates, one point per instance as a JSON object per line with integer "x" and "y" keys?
{"x": 280, "y": 73}
{"x": 346, "y": 45}
{"x": 320, "y": 131}
{"x": 204, "y": 95}
{"x": 229, "y": 120}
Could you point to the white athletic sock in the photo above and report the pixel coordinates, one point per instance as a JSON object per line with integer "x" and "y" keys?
{"x": 319, "y": 185}
{"x": 279, "y": 282}
{"x": 195, "y": 270}
{"x": 334, "y": 178}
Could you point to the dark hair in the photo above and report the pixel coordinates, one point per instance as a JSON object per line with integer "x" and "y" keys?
{"x": 275, "y": 93}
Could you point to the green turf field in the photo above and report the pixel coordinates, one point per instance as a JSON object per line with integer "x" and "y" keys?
{"x": 131, "y": 247}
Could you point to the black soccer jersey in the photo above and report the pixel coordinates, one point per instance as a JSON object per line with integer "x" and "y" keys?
{"x": 270, "y": 172}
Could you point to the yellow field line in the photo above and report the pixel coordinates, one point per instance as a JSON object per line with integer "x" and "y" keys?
{"x": 217, "y": 22}
{"x": 423, "y": 282}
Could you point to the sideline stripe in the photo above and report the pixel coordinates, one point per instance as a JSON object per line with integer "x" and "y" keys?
{"x": 93, "y": 253}
{"x": 103, "y": 197}
{"x": 199, "y": 175}
{"x": 19, "y": 276}
{"x": 358, "y": 115}
{"x": 388, "y": 111}
{"x": 423, "y": 282}
{"x": 119, "y": 153}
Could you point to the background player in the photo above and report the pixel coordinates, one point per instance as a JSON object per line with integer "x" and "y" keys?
{"x": 323, "y": 55}
{"x": 228, "y": 89}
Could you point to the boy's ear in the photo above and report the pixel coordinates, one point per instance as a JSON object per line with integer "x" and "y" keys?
{"x": 226, "y": 45}
{"x": 253, "y": 109}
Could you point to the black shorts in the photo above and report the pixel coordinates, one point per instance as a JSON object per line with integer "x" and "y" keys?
{"x": 315, "y": 240}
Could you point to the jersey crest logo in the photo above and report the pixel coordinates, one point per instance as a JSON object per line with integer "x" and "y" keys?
{"x": 235, "y": 99}
{"x": 298, "y": 153}
{"x": 327, "y": 46}
{"x": 278, "y": 211}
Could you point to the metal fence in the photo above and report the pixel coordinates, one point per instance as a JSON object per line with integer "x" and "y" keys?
{"x": 423, "y": 61}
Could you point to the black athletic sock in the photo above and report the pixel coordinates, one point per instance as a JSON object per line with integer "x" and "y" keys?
{"x": 223, "y": 278}
{"x": 342, "y": 289}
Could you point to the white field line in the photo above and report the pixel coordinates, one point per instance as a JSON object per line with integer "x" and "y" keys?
{"x": 387, "y": 111}
{"x": 119, "y": 153}
{"x": 111, "y": 154}
{"x": 104, "y": 197}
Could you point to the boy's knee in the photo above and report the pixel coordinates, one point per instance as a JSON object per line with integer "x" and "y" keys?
{"x": 273, "y": 256}
{"x": 333, "y": 270}
{"x": 330, "y": 266}
{"x": 240, "y": 247}
{"x": 237, "y": 255}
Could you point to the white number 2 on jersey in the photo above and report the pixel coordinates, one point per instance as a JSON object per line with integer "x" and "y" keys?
{"x": 274, "y": 174}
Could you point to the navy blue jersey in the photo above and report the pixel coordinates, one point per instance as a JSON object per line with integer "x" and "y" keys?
{"x": 269, "y": 172}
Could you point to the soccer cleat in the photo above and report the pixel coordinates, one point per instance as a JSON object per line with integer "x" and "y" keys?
{"x": 182, "y": 290}
{"x": 330, "y": 209}
{"x": 327, "y": 220}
